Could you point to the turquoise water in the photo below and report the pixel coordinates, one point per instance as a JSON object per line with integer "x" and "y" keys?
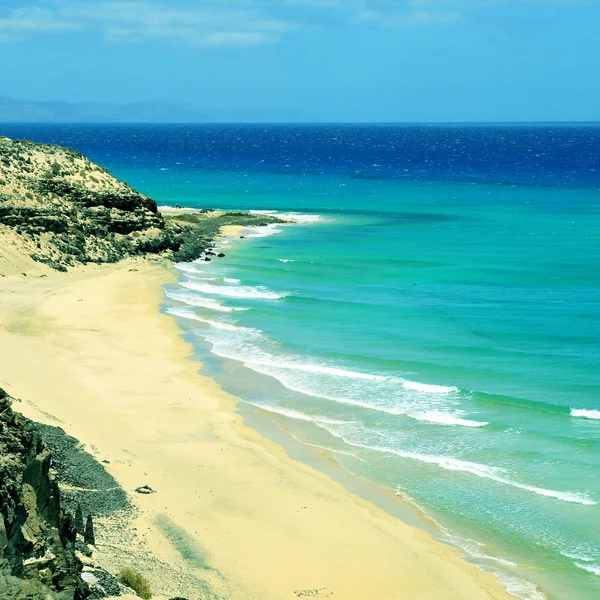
{"x": 432, "y": 317}
{"x": 446, "y": 349}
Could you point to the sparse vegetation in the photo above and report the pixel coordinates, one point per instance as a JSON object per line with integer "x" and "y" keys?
{"x": 136, "y": 581}
{"x": 95, "y": 219}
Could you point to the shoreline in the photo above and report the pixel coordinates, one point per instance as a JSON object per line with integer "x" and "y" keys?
{"x": 515, "y": 583}
{"x": 254, "y": 522}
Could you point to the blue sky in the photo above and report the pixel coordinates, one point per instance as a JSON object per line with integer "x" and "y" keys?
{"x": 334, "y": 60}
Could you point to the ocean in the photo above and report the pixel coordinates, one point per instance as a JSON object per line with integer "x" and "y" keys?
{"x": 431, "y": 318}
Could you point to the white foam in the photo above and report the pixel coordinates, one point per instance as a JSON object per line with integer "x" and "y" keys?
{"x": 196, "y": 300}
{"x": 188, "y": 313}
{"x": 586, "y": 414}
{"x": 520, "y": 588}
{"x": 263, "y": 230}
{"x": 444, "y": 418}
{"x": 230, "y": 280}
{"x": 294, "y": 217}
{"x": 310, "y": 368}
{"x": 285, "y": 372}
{"x": 189, "y": 268}
{"x": 470, "y": 546}
{"x": 303, "y": 219}
{"x": 595, "y": 569}
{"x": 391, "y": 396}
{"x": 276, "y": 369}
{"x": 167, "y": 207}
{"x": 294, "y": 414}
{"x": 285, "y": 260}
{"x": 233, "y": 292}
{"x": 496, "y": 474}
{"x": 576, "y": 556}
{"x": 515, "y": 586}
{"x": 427, "y": 387}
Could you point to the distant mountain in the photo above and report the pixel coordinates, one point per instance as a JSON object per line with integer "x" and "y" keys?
{"x": 29, "y": 111}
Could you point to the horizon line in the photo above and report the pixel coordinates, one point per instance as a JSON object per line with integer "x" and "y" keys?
{"x": 402, "y": 123}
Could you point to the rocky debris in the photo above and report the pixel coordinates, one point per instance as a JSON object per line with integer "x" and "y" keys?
{"x": 145, "y": 489}
{"x": 85, "y": 482}
{"x": 83, "y": 549}
{"x": 314, "y": 593}
{"x": 68, "y": 210}
{"x": 101, "y": 583}
{"x": 37, "y": 539}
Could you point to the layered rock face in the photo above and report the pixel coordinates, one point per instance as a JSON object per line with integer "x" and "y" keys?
{"x": 67, "y": 210}
{"x": 37, "y": 540}
{"x": 74, "y": 210}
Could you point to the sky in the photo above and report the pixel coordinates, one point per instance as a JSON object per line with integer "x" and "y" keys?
{"x": 326, "y": 60}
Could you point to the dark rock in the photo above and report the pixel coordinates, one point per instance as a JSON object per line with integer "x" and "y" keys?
{"x": 85, "y": 480}
{"x": 207, "y": 259}
{"x": 221, "y": 255}
{"x": 145, "y": 489}
{"x": 106, "y": 585}
{"x": 37, "y": 538}
{"x": 88, "y": 536}
{"x": 79, "y": 526}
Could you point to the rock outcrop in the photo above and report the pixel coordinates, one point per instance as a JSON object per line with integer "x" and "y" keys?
{"x": 37, "y": 539}
{"x": 68, "y": 210}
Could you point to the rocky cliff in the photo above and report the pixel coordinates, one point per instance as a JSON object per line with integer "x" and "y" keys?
{"x": 67, "y": 210}
{"x": 37, "y": 540}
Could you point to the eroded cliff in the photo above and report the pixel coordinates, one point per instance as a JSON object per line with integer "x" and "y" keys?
{"x": 37, "y": 539}
{"x": 65, "y": 210}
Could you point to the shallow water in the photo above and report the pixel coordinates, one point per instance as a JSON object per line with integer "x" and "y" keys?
{"x": 432, "y": 318}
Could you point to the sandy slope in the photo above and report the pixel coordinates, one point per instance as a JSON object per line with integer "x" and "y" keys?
{"x": 233, "y": 515}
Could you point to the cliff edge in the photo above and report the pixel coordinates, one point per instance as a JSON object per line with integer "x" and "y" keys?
{"x": 59, "y": 209}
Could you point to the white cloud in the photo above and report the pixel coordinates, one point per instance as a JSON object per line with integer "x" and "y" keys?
{"x": 22, "y": 23}
{"x": 129, "y": 22}
{"x": 408, "y": 19}
{"x": 218, "y": 22}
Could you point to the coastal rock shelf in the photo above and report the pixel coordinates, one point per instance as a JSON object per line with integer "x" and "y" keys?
{"x": 66, "y": 210}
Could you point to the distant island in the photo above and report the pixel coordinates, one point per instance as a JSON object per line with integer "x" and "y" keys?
{"x": 29, "y": 111}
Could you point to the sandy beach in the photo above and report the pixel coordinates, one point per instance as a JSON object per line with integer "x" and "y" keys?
{"x": 233, "y": 516}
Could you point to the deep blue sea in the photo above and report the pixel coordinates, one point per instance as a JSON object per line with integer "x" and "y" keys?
{"x": 432, "y": 318}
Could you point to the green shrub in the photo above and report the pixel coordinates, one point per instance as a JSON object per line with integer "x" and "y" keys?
{"x": 136, "y": 581}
